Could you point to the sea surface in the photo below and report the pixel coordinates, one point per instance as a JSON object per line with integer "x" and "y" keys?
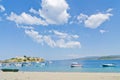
{"x": 65, "y": 66}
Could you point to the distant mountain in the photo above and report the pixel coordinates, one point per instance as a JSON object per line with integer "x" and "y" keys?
{"x": 114, "y": 57}
{"x": 111, "y": 57}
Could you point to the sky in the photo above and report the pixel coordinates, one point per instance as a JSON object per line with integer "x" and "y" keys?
{"x": 59, "y": 29}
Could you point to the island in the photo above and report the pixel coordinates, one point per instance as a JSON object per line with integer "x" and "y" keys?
{"x": 23, "y": 59}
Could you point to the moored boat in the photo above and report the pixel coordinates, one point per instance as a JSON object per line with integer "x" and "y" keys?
{"x": 108, "y": 65}
{"x": 9, "y": 70}
{"x": 75, "y": 64}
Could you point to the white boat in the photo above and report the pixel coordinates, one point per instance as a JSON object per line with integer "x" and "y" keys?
{"x": 37, "y": 62}
{"x": 108, "y": 65}
{"x": 75, "y": 64}
{"x": 18, "y": 64}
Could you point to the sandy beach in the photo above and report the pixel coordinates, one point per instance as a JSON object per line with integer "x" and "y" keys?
{"x": 58, "y": 76}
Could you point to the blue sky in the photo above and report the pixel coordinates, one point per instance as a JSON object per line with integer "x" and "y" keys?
{"x": 59, "y": 29}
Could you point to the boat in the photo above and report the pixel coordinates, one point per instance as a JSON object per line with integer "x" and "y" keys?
{"x": 25, "y": 64}
{"x": 75, "y": 64}
{"x": 37, "y": 62}
{"x": 18, "y": 64}
{"x": 10, "y": 70}
{"x": 108, "y": 65}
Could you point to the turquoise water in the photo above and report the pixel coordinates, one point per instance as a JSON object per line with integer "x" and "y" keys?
{"x": 64, "y": 66}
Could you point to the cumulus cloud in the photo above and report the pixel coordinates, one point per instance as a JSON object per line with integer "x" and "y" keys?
{"x": 81, "y": 18}
{"x": 35, "y": 35}
{"x": 33, "y": 11}
{"x": 58, "y": 41}
{"x": 26, "y": 19}
{"x": 25, "y": 27}
{"x": 95, "y": 20}
{"x": 109, "y": 10}
{"x": 2, "y": 9}
{"x": 51, "y": 12}
{"x": 102, "y": 31}
{"x": 54, "y": 12}
{"x": 65, "y": 35}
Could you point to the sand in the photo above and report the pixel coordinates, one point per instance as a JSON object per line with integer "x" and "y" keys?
{"x": 58, "y": 76}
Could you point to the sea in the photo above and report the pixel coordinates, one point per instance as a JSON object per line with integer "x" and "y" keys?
{"x": 65, "y": 66}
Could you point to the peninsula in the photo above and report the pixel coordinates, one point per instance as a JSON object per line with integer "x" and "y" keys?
{"x": 110, "y": 57}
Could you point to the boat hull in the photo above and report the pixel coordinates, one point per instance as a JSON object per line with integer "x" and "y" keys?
{"x": 76, "y": 65}
{"x": 10, "y": 70}
{"x": 108, "y": 65}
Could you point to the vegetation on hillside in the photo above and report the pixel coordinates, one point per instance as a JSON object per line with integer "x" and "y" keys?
{"x": 24, "y": 59}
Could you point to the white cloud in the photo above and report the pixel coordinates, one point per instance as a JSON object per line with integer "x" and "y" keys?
{"x": 60, "y": 42}
{"x": 35, "y": 35}
{"x": 109, "y": 10}
{"x": 26, "y": 19}
{"x": 81, "y": 18}
{"x": 102, "y": 31}
{"x": 2, "y": 9}
{"x": 33, "y": 11}
{"x": 96, "y": 20}
{"x": 51, "y": 12}
{"x": 70, "y": 44}
{"x": 65, "y": 35}
{"x": 93, "y": 21}
{"x": 49, "y": 41}
{"x": 25, "y": 27}
{"x": 54, "y": 11}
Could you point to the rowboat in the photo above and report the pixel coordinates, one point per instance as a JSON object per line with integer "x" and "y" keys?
{"x": 9, "y": 70}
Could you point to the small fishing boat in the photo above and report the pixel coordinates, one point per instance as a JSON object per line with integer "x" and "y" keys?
{"x": 75, "y": 64}
{"x": 108, "y": 65}
{"x": 9, "y": 70}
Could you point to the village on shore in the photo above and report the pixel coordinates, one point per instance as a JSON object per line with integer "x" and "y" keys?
{"x": 23, "y": 59}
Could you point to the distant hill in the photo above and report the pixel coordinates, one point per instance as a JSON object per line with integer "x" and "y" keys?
{"x": 111, "y": 57}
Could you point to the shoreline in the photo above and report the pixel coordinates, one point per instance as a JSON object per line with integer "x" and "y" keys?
{"x": 58, "y": 76}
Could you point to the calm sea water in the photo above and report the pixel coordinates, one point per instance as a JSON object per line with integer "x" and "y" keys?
{"x": 64, "y": 66}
